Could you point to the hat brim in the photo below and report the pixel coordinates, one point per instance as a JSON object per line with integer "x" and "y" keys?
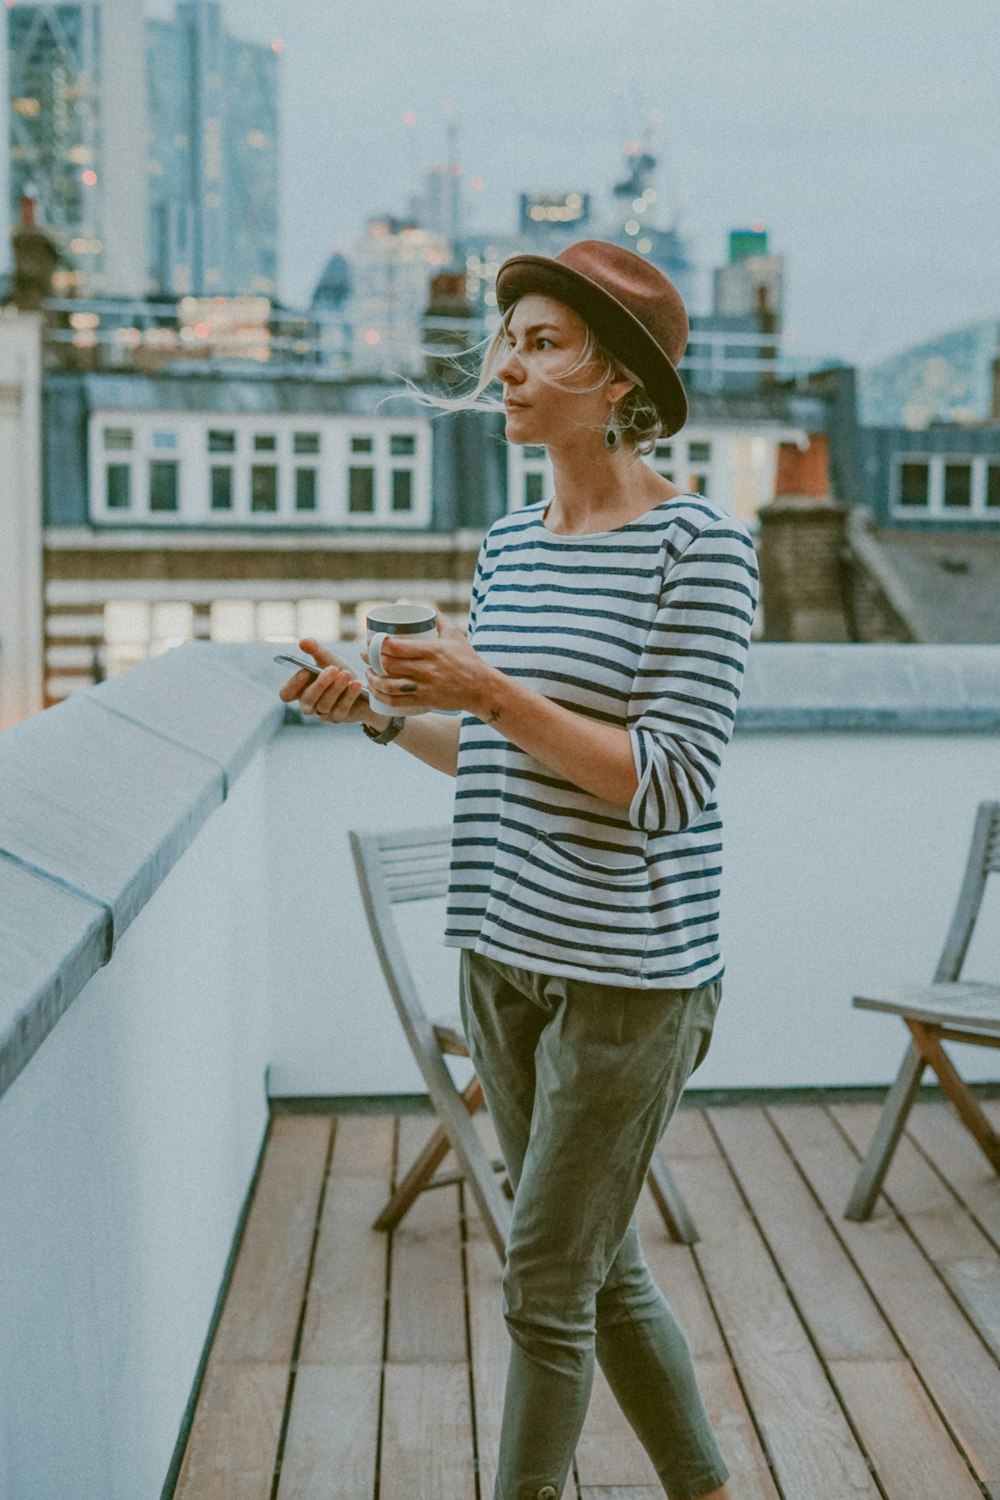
{"x": 618, "y": 330}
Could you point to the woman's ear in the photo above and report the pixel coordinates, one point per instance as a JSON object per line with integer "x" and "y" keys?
{"x": 618, "y": 388}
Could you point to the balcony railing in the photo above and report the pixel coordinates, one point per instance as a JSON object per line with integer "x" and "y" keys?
{"x": 182, "y": 938}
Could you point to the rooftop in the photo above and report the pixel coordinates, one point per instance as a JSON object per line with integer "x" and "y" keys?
{"x": 835, "y": 1358}
{"x": 187, "y": 969}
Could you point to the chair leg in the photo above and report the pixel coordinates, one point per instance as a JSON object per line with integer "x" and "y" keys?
{"x": 890, "y": 1127}
{"x": 928, "y": 1039}
{"x": 680, "y": 1225}
{"x": 426, "y": 1164}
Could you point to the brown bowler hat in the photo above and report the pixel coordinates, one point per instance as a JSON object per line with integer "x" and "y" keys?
{"x": 634, "y": 310}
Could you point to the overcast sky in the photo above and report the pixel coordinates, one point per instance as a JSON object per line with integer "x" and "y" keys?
{"x": 865, "y": 134}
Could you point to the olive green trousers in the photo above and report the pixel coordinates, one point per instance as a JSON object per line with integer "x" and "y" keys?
{"x": 580, "y": 1080}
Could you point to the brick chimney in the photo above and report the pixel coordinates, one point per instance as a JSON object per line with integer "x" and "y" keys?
{"x": 35, "y": 259}
{"x": 802, "y": 549}
{"x": 448, "y": 326}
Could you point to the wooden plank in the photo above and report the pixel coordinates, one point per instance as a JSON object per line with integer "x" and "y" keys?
{"x": 959, "y": 1373}
{"x": 840, "y": 1312}
{"x": 948, "y": 1236}
{"x": 427, "y": 1433}
{"x": 345, "y": 1310}
{"x": 233, "y": 1445}
{"x": 750, "y": 1475}
{"x": 331, "y": 1447}
{"x": 809, "y": 1441}
{"x": 427, "y": 1307}
{"x": 912, "y": 1454}
{"x": 261, "y": 1315}
{"x": 960, "y": 1162}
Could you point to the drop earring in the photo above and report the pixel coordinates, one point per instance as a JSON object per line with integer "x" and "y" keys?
{"x": 612, "y": 432}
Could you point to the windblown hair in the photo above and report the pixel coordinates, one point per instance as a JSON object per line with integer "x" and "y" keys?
{"x": 639, "y": 423}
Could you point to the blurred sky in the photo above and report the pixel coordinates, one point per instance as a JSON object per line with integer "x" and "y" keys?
{"x": 865, "y": 134}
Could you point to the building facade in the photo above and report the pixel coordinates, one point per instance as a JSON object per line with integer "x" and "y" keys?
{"x": 151, "y": 147}
{"x": 213, "y": 165}
{"x": 232, "y": 504}
{"x": 77, "y": 112}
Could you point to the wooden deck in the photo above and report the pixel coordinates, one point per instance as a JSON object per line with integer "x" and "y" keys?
{"x": 839, "y": 1360}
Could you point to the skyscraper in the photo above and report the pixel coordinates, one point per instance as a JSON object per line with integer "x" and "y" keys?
{"x": 76, "y": 88}
{"x": 213, "y": 116}
{"x": 151, "y": 147}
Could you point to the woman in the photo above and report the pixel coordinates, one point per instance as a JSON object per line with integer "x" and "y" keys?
{"x": 597, "y": 689}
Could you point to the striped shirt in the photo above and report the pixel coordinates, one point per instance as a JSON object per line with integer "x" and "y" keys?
{"x": 645, "y": 627}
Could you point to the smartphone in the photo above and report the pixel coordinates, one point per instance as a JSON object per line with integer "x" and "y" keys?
{"x": 306, "y": 664}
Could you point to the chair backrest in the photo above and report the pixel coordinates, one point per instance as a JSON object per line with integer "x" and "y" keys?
{"x": 983, "y": 860}
{"x": 408, "y": 864}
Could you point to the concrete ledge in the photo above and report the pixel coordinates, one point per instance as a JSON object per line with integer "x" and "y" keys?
{"x": 99, "y": 798}
{"x": 902, "y": 689}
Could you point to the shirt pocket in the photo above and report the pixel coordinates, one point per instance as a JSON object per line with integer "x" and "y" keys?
{"x": 577, "y": 909}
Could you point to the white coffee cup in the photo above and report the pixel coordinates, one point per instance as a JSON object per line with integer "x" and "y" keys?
{"x": 403, "y": 618}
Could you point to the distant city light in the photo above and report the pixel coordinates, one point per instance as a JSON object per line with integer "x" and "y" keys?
{"x": 89, "y": 177}
{"x": 631, "y": 148}
{"x": 26, "y": 106}
{"x": 650, "y": 195}
{"x": 758, "y": 226}
{"x": 372, "y": 336}
{"x": 277, "y": 45}
{"x": 477, "y": 184}
{"x": 633, "y": 226}
{"x": 202, "y": 330}
{"x": 644, "y": 245}
{"x": 639, "y": 205}
{"x": 410, "y": 118}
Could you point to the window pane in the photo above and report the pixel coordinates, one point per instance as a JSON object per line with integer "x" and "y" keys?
{"x": 119, "y": 486}
{"x": 305, "y": 489}
{"x": 221, "y": 442}
{"x": 667, "y": 474}
{"x": 402, "y": 489}
{"x": 362, "y": 445}
{"x": 118, "y": 437}
{"x": 265, "y": 442}
{"x": 913, "y": 484}
{"x": 361, "y": 491}
{"x": 305, "y": 442}
{"x": 699, "y": 453}
{"x": 534, "y": 450}
{"x": 664, "y": 450}
{"x": 173, "y": 623}
{"x": 164, "y": 440}
{"x": 163, "y": 484}
{"x": 231, "y": 620}
{"x": 699, "y": 484}
{"x": 264, "y": 487}
{"x": 222, "y": 489}
{"x": 993, "y": 485}
{"x": 534, "y": 488}
{"x": 401, "y": 443}
{"x": 958, "y": 485}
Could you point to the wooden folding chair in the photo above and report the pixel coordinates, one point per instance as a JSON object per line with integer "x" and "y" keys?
{"x": 412, "y": 865}
{"x": 947, "y": 1010}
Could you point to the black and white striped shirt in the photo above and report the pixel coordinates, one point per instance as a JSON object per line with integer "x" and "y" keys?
{"x": 645, "y": 627}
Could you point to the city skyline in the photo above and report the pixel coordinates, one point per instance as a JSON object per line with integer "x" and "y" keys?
{"x": 859, "y": 138}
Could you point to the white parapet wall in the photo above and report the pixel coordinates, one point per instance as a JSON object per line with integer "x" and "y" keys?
{"x": 182, "y": 935}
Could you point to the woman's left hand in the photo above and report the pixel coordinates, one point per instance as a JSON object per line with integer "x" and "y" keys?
{"x": 430, "y": 671}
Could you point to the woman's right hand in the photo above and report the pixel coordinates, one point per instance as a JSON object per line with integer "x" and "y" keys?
{"x": 335, "y": 695}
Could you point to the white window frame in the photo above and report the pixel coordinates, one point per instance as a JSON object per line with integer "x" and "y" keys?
{"x": 679, "y": 468}
{"x": 331, "y": 464}
{"x": 935, "y": 509}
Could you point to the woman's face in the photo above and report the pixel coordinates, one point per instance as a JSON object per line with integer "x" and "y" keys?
{"x": 546, "y": 340}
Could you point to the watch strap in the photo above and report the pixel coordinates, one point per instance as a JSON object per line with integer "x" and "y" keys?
{"x": 388, "y": 734}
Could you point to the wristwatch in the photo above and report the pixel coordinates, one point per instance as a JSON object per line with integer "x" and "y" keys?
{"x": 388, "y": 734}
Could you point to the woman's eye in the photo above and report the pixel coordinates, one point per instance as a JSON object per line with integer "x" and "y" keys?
{"x": 545, "y": 342}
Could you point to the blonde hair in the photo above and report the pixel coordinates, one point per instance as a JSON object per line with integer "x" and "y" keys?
{"x": 638, "y": 421}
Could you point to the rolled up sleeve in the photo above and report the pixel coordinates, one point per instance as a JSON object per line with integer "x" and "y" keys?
{"x": 683, "y": 701}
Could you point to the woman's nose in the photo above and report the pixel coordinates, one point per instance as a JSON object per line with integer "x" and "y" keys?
{"x": 512, "y": 370}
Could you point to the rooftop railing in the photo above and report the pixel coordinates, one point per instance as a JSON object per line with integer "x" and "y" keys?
{"x": 182, "y": 939}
